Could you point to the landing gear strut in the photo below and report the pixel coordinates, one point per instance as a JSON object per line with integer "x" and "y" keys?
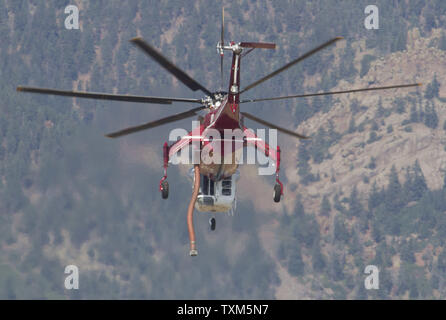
{"x": 278, "y": 187}
{"x": 164, "y": 185}
{"x": 212, "y": 223}
{"x": 277, "y": 192}
{"x": 164, "y": 188}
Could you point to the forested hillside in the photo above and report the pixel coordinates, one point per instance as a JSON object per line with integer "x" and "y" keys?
{"x": 366, "y": 189}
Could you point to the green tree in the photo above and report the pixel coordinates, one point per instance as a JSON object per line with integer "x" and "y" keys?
{"x": 355, "y": 208}
{"x": 393, "y": 193}
{"x": 317, "y": 258}
{"x": 351, "y": 125}
{"x": 432, "y": 89}
{"x": 418, "y": 186}
{"x": 365, "y": 64}
{"x": 325, "y": 206}
{"x": 431, "y": 117}
{"x": 414, "y": 114}
{"x": 401, "y": 41}
{"x": 341, "y": 233}
{"x": 442, "y": 41}
{"x": 441, "y": 263}
{"x": 407, "y": 252}
{"x": 336, "y": 267}
{"x": 295, "y": 262}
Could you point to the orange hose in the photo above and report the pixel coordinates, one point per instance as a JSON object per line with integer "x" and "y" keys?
{"x": 190, "y": 211}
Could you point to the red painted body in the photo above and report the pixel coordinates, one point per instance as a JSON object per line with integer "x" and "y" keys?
{"x": 221, "y": 117}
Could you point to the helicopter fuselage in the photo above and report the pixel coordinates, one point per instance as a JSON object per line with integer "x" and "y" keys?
{"x": 224, "y": 115}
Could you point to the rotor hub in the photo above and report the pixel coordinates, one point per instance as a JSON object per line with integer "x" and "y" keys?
{"x": 233, "y": 46}
{"x": 215, "y": 100}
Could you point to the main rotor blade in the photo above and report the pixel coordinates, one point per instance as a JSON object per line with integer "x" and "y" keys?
{"x": 222, "y": 42}
{"x": 222, "y": 34}
{"x": 169, "y": 66}
{"x": 106, "y": 96}
{"x": 333, "y": 92}
{"x": 156, "y": 123}
{"x": 268, "y": 124}
{"x": 260, "y": 45}
{"x": 306, "y": 55}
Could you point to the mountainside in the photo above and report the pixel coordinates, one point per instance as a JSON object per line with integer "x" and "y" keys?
{"x": 373, "y": 134}
{"x": 367, "y": 188}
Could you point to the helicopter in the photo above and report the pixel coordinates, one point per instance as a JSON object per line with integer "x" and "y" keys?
{"x": 214, "y": 183}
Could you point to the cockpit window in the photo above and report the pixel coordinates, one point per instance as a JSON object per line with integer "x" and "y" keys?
{"x": 226, "y": 186}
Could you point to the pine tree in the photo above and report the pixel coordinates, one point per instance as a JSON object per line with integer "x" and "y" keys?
{"x": 400, "y": 105}
{"x": 385, "y": 284}
{"x": 407, "y": 252}
{"x": 336, "y": 267}
{"x": 419, "y": 186}
{"x": 337, "y": 204}
{"x": 442, "y": 42}
{"x": 435, "y": 86}
{"x": 441, "y": 263}
{"x": 404, "y": 279}
{"x": 333, "y": 136}
{"x": 355, "y": 208}
{"x": 317, "y": 257}
{"x": 431, "y": 117}
{"x": 351, "y": 125}
{"x": 421, "y": 114}
{"x": 372, "y": 163}
{"x": 300, "y": 210}
{"x": 393, "y": 194}
{"x": 354, "y": 106}
{"x": 365, "y": 64}
{"x": 389, "y": 128}
{"x": 361, "y": 293}
{"x": 444, "y": 182}
{"x": 400, "y": 43}
{"x": 281, "y": 252}
{"x": 413, "y": 114}
{"x": 340, "y": 231}
{"x": 295, "y": 263}
{"x": 432, "y": 89}
{"x": 317, "y": 104}
{"x": 408, "y": 185}
{"x": 413, "y": 291}
{"x": 377, "y": 232}
{"x": 355, "y": 248}
{"x": 380, "y": 112}
{"x": 325, "y": 206}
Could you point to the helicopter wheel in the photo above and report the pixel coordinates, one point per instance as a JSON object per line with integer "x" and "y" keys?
{"x": 212, "y": 223}
{"x": 164, "y": 189}
{"x": 277, "y": 193}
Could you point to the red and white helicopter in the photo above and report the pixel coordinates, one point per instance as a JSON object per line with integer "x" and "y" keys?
{"x": 214, "y": 183}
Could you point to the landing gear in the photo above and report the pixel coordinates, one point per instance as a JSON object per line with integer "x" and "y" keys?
{"x": 164, "y": 188}
{"x": 277, "y": 192}
{"x": 278, "y": 187}
{"x": 164, "y": 185}
{"x": 212, "y": 223}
